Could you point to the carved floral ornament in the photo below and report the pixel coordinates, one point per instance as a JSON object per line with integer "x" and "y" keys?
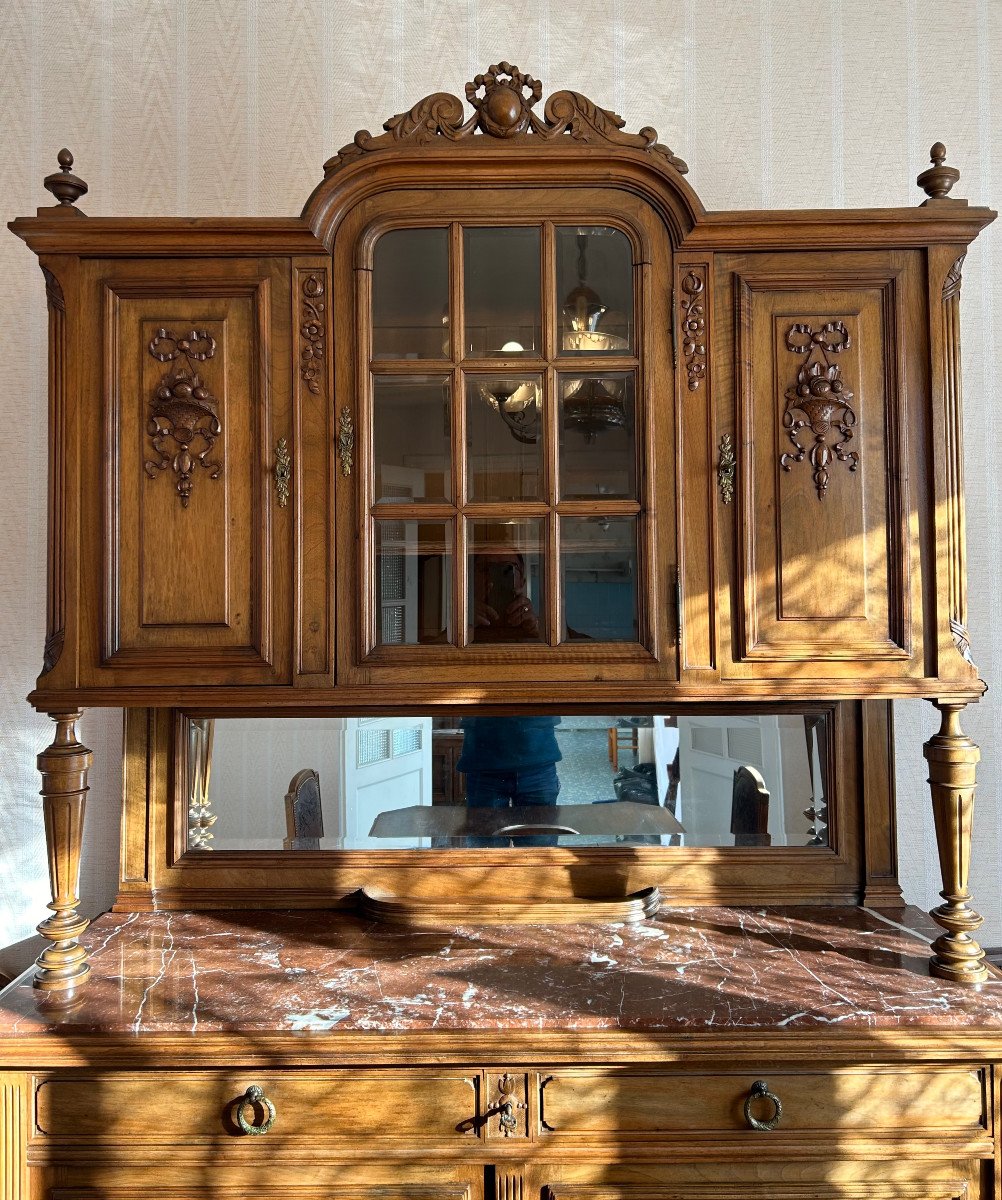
{"x": 503, "y": 99}
{"x": 184, "y": 418}
{"x": 819, "y": 402}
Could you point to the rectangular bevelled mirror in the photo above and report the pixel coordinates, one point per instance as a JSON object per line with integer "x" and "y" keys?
{"x": 467, "y": 781}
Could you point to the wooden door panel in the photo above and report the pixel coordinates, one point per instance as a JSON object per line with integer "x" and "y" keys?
{"x": 189, "y": 562}
{"x": 823, "y": 555}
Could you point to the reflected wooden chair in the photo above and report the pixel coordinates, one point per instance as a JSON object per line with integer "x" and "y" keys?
{"x": 621, "y": 738}
{"x": 304, "y": 818}
{"x": 750, "y": 809}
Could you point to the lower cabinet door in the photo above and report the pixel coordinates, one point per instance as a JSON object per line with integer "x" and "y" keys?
{"x": 902, "y": 1179}
{"x": 171, "y": 1180}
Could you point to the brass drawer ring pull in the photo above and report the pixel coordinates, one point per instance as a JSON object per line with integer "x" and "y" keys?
{"x": 255, "y": 1096}
{"x": 760, "y": 1091}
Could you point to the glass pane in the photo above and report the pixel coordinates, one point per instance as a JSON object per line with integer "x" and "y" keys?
{"x": 504, "y": 443}
{"x": 411, "y": 436}
{"x": 413, "y": 582}
{"x": 598, "y": 454}
{"x": 461, "y": 779}
{"x": 506, "y": 596}
{"x": 598, "y": 561}
{"x": 410, "y": 294}
{"x": 502, "y": 292}
{"x": 594, "y": 290}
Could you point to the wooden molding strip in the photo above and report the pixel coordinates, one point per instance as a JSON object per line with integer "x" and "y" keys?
{"x": 421, "y": 914}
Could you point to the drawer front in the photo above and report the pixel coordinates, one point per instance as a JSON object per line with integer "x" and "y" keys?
{"x": 959, "y": 1187}
{"x": 322, "y": 1108}
{"x": 910, "y": 1103}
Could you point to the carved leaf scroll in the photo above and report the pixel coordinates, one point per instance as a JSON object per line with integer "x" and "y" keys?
{"x": 184, "y": 418}
{"x": 818, "y": 404}
{"x": 312, "y": 330}
{"x": 694, "y": 325}
{"x": 503, "y": 98}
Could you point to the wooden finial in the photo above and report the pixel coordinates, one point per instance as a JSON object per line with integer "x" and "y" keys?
{"x": 937, "y": 180}
{"x": 65, "y": 186}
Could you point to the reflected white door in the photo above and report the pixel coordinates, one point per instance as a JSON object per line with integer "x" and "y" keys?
{"x": 387, "y": 765}
{"x": 711, "y": 750}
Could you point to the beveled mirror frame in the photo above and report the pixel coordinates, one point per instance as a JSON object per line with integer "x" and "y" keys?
{"x": 158, "y": 872}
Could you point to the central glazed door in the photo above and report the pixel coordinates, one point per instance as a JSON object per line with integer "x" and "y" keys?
{"x": 507, "y": 379}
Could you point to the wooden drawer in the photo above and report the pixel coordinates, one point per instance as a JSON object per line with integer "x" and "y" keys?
{"x": 934, "y": 1101}
{"x": 323, "y": 1108}
{"x": 959, "y": 1187}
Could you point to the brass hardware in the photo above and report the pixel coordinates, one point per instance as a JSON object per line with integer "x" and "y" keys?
{"x": 345, "y": 440}
{"x": 255, "y": 1096}
{"x": 760, "y": 1091}
{"x": 283, "y": 471}
{"x": 727, "y": 468}
{"x": 508, "y": 1106}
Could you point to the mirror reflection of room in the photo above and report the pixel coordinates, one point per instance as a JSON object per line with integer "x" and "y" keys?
{"x": 422, "y": 782}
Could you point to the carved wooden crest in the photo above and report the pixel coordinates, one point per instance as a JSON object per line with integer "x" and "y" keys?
{"x": 819, "y": 402}
{"x": 183, "y": 413}
{"x": 503, "y": 99}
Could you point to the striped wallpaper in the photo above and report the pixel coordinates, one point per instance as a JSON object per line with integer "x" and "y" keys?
{"x": 231, "y": 106}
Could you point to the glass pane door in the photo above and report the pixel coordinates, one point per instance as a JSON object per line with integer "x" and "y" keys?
{"x": 505, "y": 485}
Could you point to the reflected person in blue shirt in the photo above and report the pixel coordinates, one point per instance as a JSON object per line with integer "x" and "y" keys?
{"x": 510, "y": 762}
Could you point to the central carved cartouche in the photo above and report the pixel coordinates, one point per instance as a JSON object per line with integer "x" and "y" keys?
{"x": 503, "y": 110}
{"x": 503, "y": 98}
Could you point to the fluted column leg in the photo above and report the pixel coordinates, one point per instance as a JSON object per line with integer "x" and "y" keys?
{"x": 953, "y": 758}
{"x": 64, "y": 765}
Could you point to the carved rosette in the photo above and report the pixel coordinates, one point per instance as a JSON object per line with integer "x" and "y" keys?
{"x": 694, "y": 325}
{"x": 184, "y": 418}
{"x": 818, "y": 404}
{"x": 503, "y": 99}
{"x": 312, "y": 330}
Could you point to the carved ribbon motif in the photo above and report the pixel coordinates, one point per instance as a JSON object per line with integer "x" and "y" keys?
{"x": 504, "y": 110}
{"x": 819, "y": 402}
{"x": 183, "y": 413}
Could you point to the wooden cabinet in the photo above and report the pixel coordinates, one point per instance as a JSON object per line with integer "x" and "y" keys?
{"x": 506, "y": 423}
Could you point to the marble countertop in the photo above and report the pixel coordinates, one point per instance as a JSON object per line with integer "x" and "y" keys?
{"x": 688, "y": 971}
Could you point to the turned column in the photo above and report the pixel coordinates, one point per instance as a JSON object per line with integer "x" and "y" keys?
{"x": 952, "y": 758}
{"x": 62, "y": 965}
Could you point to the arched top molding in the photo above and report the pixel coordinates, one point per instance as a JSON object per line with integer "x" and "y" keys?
{"x": 504, "y": 142}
